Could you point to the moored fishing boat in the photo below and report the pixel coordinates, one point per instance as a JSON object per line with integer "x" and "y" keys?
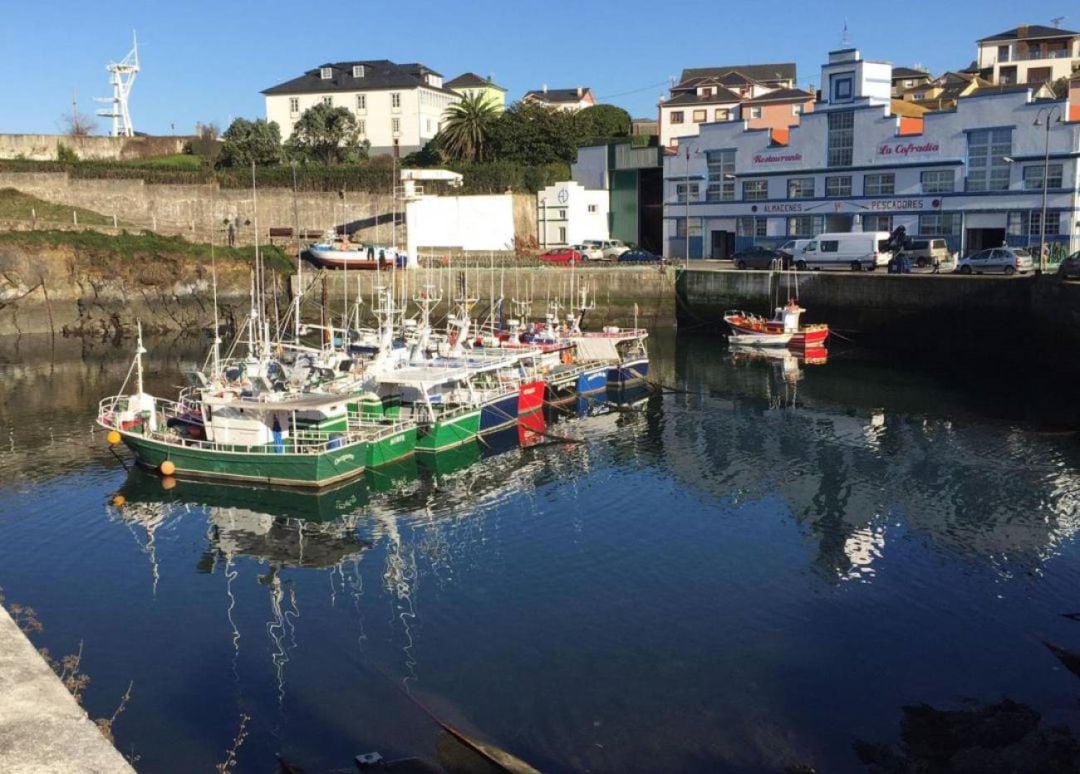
{"x": 785, "y": 320}
{"x": 337, "y": 252}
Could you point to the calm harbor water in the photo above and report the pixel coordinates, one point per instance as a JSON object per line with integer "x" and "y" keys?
{"x": 754, "y": 572}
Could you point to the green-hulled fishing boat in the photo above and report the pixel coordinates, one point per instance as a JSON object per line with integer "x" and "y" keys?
{"x": 270, "y": 437}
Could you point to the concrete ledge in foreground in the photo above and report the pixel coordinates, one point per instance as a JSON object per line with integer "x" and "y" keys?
{"x": 42, "y": 728}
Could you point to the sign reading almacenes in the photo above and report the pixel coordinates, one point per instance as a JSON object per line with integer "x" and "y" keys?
{"x": 908, "y": 149}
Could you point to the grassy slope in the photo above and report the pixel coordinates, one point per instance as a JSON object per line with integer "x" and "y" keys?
{"x": 16, "y": 205}
{"x": 93, "y": 244}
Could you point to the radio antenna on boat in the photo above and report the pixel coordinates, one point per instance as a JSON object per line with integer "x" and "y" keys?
{"x": 299, "y": 260}
{"x": 217, "y": 322}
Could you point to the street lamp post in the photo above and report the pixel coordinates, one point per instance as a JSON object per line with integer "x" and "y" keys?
{"x": 1045, "y": 177}
{"x": 686, "y": 200}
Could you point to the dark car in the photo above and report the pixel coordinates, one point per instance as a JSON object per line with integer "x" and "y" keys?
{"x": 759, "y": 257}
{"x": 1070, "y": 267}
{"x": 639, "y": 256}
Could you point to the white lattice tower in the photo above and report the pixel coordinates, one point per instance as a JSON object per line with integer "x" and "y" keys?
{"x": 122, "y": 77}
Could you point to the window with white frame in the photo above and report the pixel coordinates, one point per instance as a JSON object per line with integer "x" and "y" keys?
{"x": 750, "y": 226}
{"x": 361, "y": 127}
{"x": 361, "y": 101}
{"x": 838, "y": 185}
{"x": 329, "y": 101}
{"x": 592, "y": 208}
{"x": 395, "y": 99}
{"x": 326, "y": 73}
{"x": 682, "y": 188}
{"x": 1027, "y": 223}
{"x": 841, "y": 138}
{"x": 940, "y": 224}
{"x": 877, "y": 222}
{"x": 395, "y": 126}
{"x": 805, "y": 225}
{"x": 294, "y": 105}
{"x": 755, "y": 190}
{"x": 796, "y": 110}
{"x": 680, "y": 227}
{"x": 721, "y": 165}
{"x": 722, "y": 114}
{"x": 358, "y": 71}
{"x": 800, "y": 188}
{"x": 987, "y": 169}
{"x": 755, "y": 112}
{"x": 1033, "y": 176}
{"x": 699, "y": 116}
{"x": 938, "y": 181}
{"x": 879, "y": 184}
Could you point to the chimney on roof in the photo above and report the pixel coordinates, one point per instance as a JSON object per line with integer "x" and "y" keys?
{"x": 544, "y": 87}
{"x": 489, "y": 77}
{"x": 579, "y": 92}
{"x": 1022, "y": 31}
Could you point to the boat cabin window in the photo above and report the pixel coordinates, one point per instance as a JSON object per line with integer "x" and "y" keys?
{"x": 345, "y": 366}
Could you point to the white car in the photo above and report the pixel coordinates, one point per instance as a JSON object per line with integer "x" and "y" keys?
{"x": 613, "y": 248}
{"x": 590, "y": 249}
{"x": 1006, "y": 260}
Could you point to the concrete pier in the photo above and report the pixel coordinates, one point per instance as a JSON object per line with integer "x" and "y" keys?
{"x": 42, "y": 728}
{"x": 1017, "y": 320}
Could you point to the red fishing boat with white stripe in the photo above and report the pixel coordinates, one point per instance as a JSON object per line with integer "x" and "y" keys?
{"x": 785, "y": 320}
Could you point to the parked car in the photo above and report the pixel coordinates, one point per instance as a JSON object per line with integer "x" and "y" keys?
{"x": 760, "y": 257}
{"x": 1006, "y": 260}
{"x": 855, "y": 250}
{"x": 927, "y": 252}
{"x": 639, "y": 256}
{"x": 613, "y": 248}
{"x": 793, "y": 247}
{"x": 562, "y": 256}
{"x": 590, "y": 250}
{"x": 1070, "y": 267}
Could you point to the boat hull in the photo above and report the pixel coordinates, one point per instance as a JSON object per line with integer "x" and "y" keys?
{"x": 531, "y": 397}
{"x": 448, "y": 432}
{"x": 499, "y": 412}
{"x": 629, "y": 372}
{"x": 391, "y": 447}
{"x": 342, "y": 259}
{"x": 282, "y": 469}
{"x": 593, "y": 381}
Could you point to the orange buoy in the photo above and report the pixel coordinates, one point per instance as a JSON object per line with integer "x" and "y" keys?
{"x": 119, "y": 500}
{"x": 113, "y": 437}
{"x": 167, "y": 468}
{"x": 168, "y": 482}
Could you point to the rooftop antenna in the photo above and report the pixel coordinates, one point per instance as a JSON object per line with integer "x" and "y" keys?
{"x": 845, "y": 38}
{"x": 1056, "y": 21}
{"x": 122, "y": 77}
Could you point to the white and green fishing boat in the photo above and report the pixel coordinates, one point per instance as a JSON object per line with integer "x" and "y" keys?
{"x": 283, "y": 438}
{"x": 439, "y": 400}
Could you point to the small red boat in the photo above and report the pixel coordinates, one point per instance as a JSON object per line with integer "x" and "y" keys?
{"x": 785, "y": 320}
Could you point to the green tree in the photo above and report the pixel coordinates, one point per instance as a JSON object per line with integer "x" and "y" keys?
{"x": 603, "y": 122}
{"x": 466, "y": 132}
{"x": 206, "y": 144}
{"x": 535, "y": 134}
{"x": 246, "y": 141}
{"x": 328, "y": 135}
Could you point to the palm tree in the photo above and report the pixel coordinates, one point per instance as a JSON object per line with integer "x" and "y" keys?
{"x": 467, "y": 128}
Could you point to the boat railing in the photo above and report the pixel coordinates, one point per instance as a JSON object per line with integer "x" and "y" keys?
{"x": 299, "y": 442}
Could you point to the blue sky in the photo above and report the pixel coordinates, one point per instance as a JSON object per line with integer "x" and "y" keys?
{"x": 207, "y": 61}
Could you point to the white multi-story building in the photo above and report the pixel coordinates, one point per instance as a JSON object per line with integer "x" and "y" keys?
{"x": 398, "y": 107}
{"x": 1029, "y": 53}
{"x": 567, "y": 213}
{"x": 973, "y": 174}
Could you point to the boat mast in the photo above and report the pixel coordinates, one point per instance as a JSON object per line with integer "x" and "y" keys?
{"x": 217, "y": 321}
{"x": 139, "y": 352}
{"x": 299, "y": 260}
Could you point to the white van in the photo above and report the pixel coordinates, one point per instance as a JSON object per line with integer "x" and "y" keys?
{"x": 855, "y": 250}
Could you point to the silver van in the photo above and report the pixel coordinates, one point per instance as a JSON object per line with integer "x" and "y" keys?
{"x": 854, "y": 250}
